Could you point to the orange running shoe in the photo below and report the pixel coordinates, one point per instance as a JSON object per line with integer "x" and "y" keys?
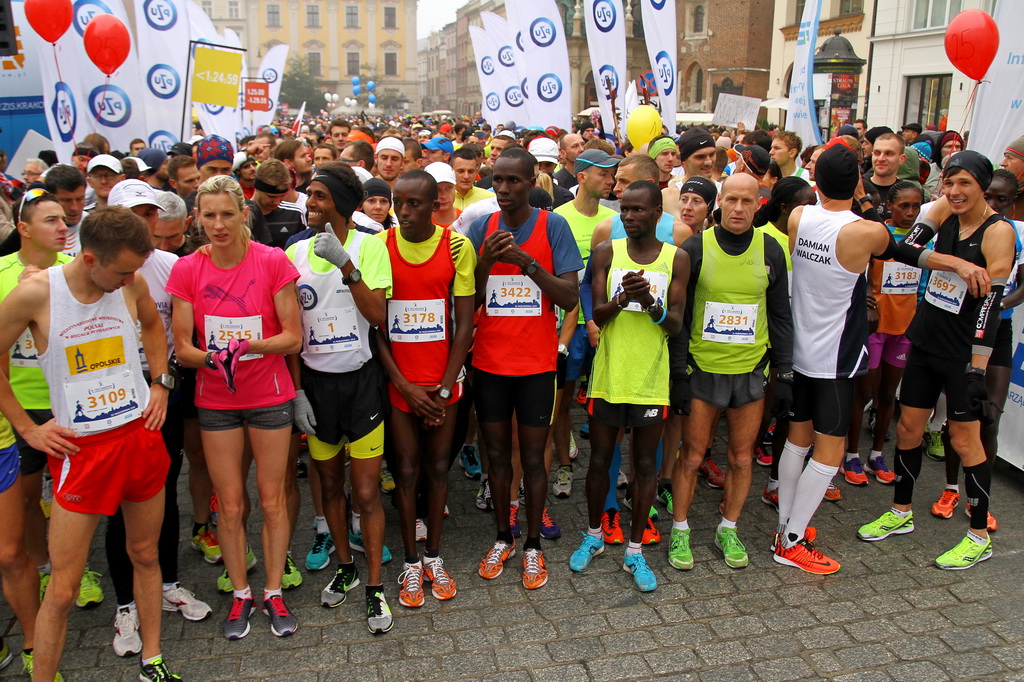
{"x": 652, "y": 535}
{"x": 948, "y": 501}
{"x": 802, "y": 555}
{"x": 810, "y": 534}
{"x": 493, "y": 562}
{"x": 442, "y": 585}
{"x": 992, "y": 524}
{"x": 410, "y": 594}
{"x": 771, "y": 497}
{"x": 611, "y": 528}
{"x": 854, "y": 472}
{"x": 711, "y": 474}
{"x": 832, "y": 494}
{"x": 535, "y": 570}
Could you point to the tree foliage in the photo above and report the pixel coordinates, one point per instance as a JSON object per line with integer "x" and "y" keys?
{"x": 299, "y": 85}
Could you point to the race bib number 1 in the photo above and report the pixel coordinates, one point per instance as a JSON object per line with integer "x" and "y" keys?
{"x": 946, "y": 291}
{"x": 416, "y": 321}
{"x": 729, "y": 322}
{"x": 331, "y": 331}
{"x": 512, "y": 296}
{"x": 220, "y": 331}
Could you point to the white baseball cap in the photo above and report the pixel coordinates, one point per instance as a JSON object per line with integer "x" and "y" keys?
{"x": 106, "y": 161}
{"x": 441, "y": 172}
{"x": 132, "y": 193}
{"x": 544, "y": 150}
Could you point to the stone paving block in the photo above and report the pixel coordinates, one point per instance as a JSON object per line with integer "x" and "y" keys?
{"x": 801, "y": 595}
{"x": 729, "y": 673}
{"x": 581, "y": 625}
{"x": 672, "y": 662}
{"x": 1011, "y": 630}
{"x": 522, "y": 656}
{"x": 467, "y": 665}
{"x": 375, "y": 651}
{"x": 825, "y": 662}
{"x": 740, "y": 626}
{"x": 700, "y": 609}
{"x": 882, "y": 605}
{"x": 758, "y": 602}
{"x": 577, "y": 649}
{"x": 458, "y": 620}
{"x": 628, "y": 642}
{"x": 834, "y": 612}
{"x": 530, "y": 632}
{"x": 782, "y": 669}
{"x": 916, "y": 672}
{"x": 1010, "y": 656}
{"x": 873, "y": 631}
{"x": 684, "y": 634}
{"x": 865, "y": 676}
{"x": 915, "y": 622}
{"x": 434, "y": 644}
{"x": 480, "y": 638}
{"x": 931, "y": 598}
{"x": 409, "y": 669}
{"x": 560, "y": 673}
{"x": 968, "y": 639}
{"x": 969, "y": 614}
{"x": 629, "y": 619}
{"x": 618, "y": 668}
{"x": 717, "y": 653}
{"x": 771, "y": 646}
{"x": 916, "y": 648}
{"x": 970, "y": 665}
{"x": 788, "y": 619}
{"x": 513, "y": 676}
{"x": 824, "y": 637}
{"x": 862, "y": 657}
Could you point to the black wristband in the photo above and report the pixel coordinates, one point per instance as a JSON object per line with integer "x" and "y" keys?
{"x": 209, "y": 361}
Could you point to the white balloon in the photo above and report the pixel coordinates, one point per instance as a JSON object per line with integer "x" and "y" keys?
{"x": 327, "y": 96}
{"x": 371, "y": 105}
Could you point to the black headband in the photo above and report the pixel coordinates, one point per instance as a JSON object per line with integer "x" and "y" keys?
{"x": 346, "y": 201}
{"x": 267, "y": 188}
{"x": 702, "y": 187}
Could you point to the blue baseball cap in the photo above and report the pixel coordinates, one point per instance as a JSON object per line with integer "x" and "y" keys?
{"x": 440, "y": 144}
{"x": 595, "y": 157}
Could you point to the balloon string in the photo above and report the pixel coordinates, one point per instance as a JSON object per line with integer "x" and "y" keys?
{"x": 64, "y": 106}
{"x": 969, "y": 106}
{"x": 103, "y": 99}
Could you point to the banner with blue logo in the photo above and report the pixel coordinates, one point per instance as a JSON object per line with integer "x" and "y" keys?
{"x": 487, "y": 71}
{"x": 999, "y": 110}
{"x": 659, "y": 17}
{"x": 22, "y": 107}
{"x": 67, "y": 117}
{"x": 509, "y": 78}
{"x": 538, "y": 27}
{"x": 215, "y": 119}
{"x": 802, "y": 118}
{"x": 272, "y": 68}
{"x": 162, "y": 23}
{"x": 606, "y": 38}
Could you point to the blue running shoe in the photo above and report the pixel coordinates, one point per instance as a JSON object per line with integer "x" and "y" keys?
{"x": 355, "y": 543}
{"x": 319, "y": 554}
{"x": 589, "y": 548}
{"x": 643, "y": 576}
{"x": 513, "y": 521}
{"x": 470, "y": 462}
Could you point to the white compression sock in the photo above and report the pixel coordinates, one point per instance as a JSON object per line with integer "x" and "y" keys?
{"x": 791, "y": 463}
{"x": 813, "y": 482}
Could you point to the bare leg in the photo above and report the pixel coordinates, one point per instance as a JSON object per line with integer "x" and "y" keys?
{"x": 744, "y": 424}
{"x": 21, "y": 581}
{"x": 273, "y": 466}
{"x": 34, "y": 520}
{"x": 684, "y": 477}
{"x": 366, "y": 500}
{"x": 200, "y": 486}
{"x": 142, "y": 521}
{"x": 227, "y": 471}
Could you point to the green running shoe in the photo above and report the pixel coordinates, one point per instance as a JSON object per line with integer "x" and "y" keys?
{"x": 5, "y": 654}
{"x": 732, "y": 548}
{"x": 224, "y": 582}
{"x": 90, "y": 592}
{"x": 665, "y": 495}
{"x": 933, "y": 445}
{"x": 679, "y": 554}
{"x": 885, "y": 525}
{"x": 291, "y": 578}
{"x": 967, "y": 553}
{"x": 28, "y": 666}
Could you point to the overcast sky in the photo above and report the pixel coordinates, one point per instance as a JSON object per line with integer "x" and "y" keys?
{"x": 434, "y": 14}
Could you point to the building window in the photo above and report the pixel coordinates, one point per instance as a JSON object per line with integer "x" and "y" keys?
{"x": 695, "y": 85}
{"x": 312, "y": 16}
{"x": 273, "y": 15}
{"x": 352, "y": 63}
{"x": 390, "y": 17}
{"x": 935, "y": 13}
{"x": 233, "y": 12}
{"x": 208, "y": 8}
{"x": 799, "y": 10}
{"x": 390, "y": 63}
{"x": 351, "y": 16}
{"x": 698, "y": 19}
{"x": 928, "y": 99}
{"x": 313, "y": 60}
{"x": 851, "y": 7}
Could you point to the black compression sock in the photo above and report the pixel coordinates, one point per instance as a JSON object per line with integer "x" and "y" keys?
{"x": 977, "y": 482}
{"x": 907, "y": 467}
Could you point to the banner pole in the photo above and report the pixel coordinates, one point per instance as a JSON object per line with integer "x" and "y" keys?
{"x": 188, "y": 81}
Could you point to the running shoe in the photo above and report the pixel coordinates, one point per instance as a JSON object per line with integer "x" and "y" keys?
{"x": 44, "y": 580}
{"x": 967, "y": 553}
{"x": 769, "y": 435}
{"x": 387, "y": 481}
{"x": 442, "y": 586}
{"x": 28, "y": 666}
{"x": 588, "y": 549}
{"x": 585, "y": 431}
{"x": 562, "y": 486}
{"x": 46, "y": 497}
{"x": 854, "y": 472}
{"x": 882, "y": 473}
{"x": 127, "y": 641}
{"x": 236, "y": 626}
{"x": 5, "y": 654}
{"x": 291, "y": 578}
{"x": 804, "y": 556}
{"x": 762, "y": 456}
{"x": 622, "y": 482}
{"x": 493, "y": 562}
{"x": 319, "y": 555}
{"x": 643, "y": 576}
{"x": 627, "y": 501}
{"x": 885, "y": 525}
{"x": 549, "y": 530}
{"x": 665, "y": 496}
{"x": 157, "y": 671}
{"x": 732, "y": 547}
{"x": 378, "y": 613}
{"x": 483, "y": 496}
{"x": 947, "y": 502}
{"x": 872, "y": 420}
{"x": 652, "y": 535}
{"x": 712, "y": 475}
{"x": 470, "y": 462}
{"x": 90, "y": 592}
{"x": 992, "y": 525}
{"x": 224, "y": 582}
{"x": 771, "y": 497}
{"x": 337, "y": 590}
{"x": 301, "y": 468}
{"x": 421, "y": 530}
{"x": 832, "y": 493}
{"x": 214, "y": 509}
{"x": 581, "y": 394}
{"x": 184, "y": 602}
{"x": 611, "y": 528}
{"x": 355, "y": 542}
{"x": 574, "y": 450}
{"x": 933, "y": 445}
{"x": 410, "y": 594}
{"x": 679, "y": 553}
{"x": 810, "y": 534}
{"x": 535, "y": 570}
{"x": 206, "y": 543}
{"x": 282, "y": 621}
{"x": 513, "y": 520}
{"x": 522, "y": 493}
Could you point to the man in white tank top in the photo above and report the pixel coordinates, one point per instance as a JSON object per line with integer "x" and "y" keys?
{"x": 104, "y": 444}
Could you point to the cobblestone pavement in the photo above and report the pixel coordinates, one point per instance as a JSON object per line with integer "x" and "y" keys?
{"x": 889, "y": 614}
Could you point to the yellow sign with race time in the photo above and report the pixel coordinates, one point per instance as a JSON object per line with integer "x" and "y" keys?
{"x": 217, "y": 76}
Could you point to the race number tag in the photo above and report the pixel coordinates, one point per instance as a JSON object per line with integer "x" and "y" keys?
{"x": 416, "y": 321}
{"x": 331, "y": 331}
{"x": 899, "y": 278}
{"x": 220, "y": 331}
{"x": 729, "y": 322}
{"x": 657, "y": 280}
{"x": 512, "y": 296}
{"x": 946, "y": 291}
{"x": 103, "y": 403}
{"x": 23, "y": 352}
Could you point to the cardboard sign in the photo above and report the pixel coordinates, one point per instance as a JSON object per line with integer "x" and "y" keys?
{"x": 216, "y": 77}
{"x": 732, "y": 110}
{"x": 257, "y": 96}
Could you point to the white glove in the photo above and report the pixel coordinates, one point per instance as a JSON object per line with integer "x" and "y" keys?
{"x": 303, "y": 416}
{"x": 330, "y": 249}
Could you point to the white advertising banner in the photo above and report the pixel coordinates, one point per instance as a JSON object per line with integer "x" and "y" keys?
{"x": 64, "y": 104}
{"x": 487, "y": 71}
{"x": 802, "y": 118}
{"x": 509, "y": 79}
{"x": 542, "y": 34}
{"x": 659, "y": 18}
{"x": 999, "y": 109}
{"x": 606, "y": 39}
{"x": 165, "y": 23}
{"x": 272, "y": 69}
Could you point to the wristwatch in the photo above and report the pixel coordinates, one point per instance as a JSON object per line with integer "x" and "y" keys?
{"x": 971, "y": 369}
{"x": 444, "y": 393}
{"x": 531, "y": 268}
{"x": 165, "y": 380}
{"x": 209, "y": 361}
{"x": 867, "y": 198}
{"x": 353, "y": 277}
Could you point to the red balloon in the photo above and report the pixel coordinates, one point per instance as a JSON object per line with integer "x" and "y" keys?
{"x": 972, "y": 41}
{"x": 107, "y": 42}
{"x": 49, "y": 18}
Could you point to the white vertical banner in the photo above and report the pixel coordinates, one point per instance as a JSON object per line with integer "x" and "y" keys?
{"x": 659, "y": 18}
{"x": 487, "y": 72}
{"x": 272, "y": 69}
{"x": 117, "y": 110}
{"x": 1011, "y": 425}
{"x": 516, "y": 16}
{"x": 508, "y": 79}
{"x": 214, "y": 119}
{"x": 606, "y": 39}
{"x": 802, "y": 118}
{"x": 240, "y": 122}
{"x": 67, "y": 116}
{"x": 542, "y": 34}
{"x": 999, "y": 109}
{"x": 164, "y": 23}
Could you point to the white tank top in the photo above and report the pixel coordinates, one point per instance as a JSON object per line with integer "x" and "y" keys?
{"x": 829, "y": 302}
{"x": 92, "y": 362}
{"x": 335, "y": 336}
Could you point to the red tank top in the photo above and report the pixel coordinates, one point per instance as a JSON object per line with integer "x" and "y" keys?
{"x": 419, "y": 313}
{"x": 513, "y": 344}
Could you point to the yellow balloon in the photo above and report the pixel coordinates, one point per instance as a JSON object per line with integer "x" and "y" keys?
{"x": 643, "y": 125}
